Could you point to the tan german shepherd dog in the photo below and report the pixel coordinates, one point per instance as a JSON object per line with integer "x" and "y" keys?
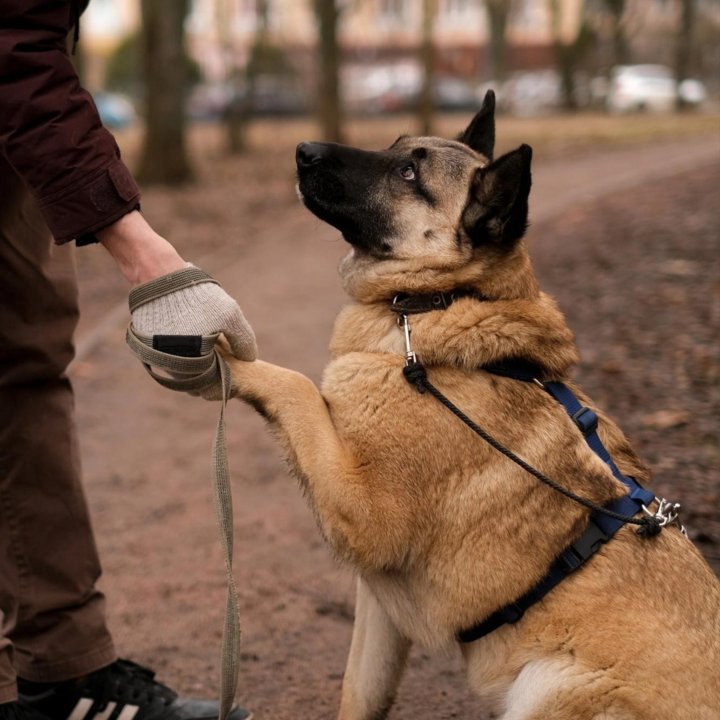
{"x": 441, "y": 529}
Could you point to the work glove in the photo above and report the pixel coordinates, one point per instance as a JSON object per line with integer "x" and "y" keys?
{"x": 191, "y": 304}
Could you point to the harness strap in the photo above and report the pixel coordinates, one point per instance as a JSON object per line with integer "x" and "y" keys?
{"x": 196, "y": 366}
{"x": 599, "y": 530}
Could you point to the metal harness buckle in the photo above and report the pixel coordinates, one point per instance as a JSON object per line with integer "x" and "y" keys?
{"x": 667, "y": 513}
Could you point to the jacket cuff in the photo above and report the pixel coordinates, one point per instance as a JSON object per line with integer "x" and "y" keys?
{"x": 84, "y": 208}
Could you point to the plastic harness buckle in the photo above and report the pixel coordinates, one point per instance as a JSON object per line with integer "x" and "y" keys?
{"x": 585, "y": 546}
{"x": 586, "y": 420}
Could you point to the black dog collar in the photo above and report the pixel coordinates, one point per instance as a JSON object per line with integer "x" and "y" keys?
{"x": 406, "y": 304}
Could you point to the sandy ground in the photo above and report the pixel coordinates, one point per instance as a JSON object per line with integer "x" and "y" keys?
{"x": 636, "y": 272}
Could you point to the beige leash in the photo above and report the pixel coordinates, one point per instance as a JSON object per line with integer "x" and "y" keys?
{"x": 198, "y": 374}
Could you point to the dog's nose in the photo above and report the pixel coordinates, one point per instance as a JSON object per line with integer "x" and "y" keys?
{"x": 310, "y": 153}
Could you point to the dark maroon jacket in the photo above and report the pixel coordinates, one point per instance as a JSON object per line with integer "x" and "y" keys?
{"x": 50, "y": 131}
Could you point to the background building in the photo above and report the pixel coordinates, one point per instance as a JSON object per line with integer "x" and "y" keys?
{"x": 385, "y": 36}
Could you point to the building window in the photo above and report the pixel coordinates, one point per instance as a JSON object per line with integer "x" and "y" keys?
{"x": 457, "y": 9}
{"x": 394, "y": 10}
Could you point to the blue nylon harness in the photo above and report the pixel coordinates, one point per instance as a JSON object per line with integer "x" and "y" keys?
{"x": 600, "y": 528}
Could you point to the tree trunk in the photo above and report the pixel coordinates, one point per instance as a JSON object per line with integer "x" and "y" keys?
{"x": 568, "y": 55}
{"x": 329, "y": 101}
{"x": 620, "y": 47}
{"x": 426, "y": 106}
{"x": 498, "y": 12}
{"x": 164, "y": 156}
{"x": 683, "y": 55}
{"x": 233, "y": 117}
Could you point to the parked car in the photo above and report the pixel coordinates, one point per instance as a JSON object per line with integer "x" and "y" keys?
{"x": 115, "y": 110}
{"x": 395, "y": 87}
{"x": 279, "y": 95}
{"x": 274, "y": 95}
{"x": 381, "y": 88}
{"x": 454, "y": 94}
{"x": 530, "y": 93}
{"x": 208, "y": 101}
{"x": 651, "y": 88}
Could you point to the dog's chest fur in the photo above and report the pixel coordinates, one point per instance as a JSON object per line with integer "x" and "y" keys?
{"x": 445, "y": 496}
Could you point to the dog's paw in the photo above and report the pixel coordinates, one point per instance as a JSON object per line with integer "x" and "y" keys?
{"x": 215, "y": 391}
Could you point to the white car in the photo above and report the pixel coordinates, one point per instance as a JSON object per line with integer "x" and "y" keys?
{"x": 650, "y": 87}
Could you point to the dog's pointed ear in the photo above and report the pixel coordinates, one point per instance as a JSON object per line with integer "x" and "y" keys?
{"x": 497, "y": 209}
{"x": 480, "y": 133}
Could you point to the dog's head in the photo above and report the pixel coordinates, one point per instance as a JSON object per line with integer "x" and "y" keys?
{"x": 426, "y": 213}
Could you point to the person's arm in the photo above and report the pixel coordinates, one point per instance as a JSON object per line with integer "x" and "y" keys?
{"x": 51, "y": 134}
{"x": 140, "y": 253}
{"x": 50, "y": 130}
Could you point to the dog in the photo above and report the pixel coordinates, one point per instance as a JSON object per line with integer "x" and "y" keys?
{"x": 441, "y": 528}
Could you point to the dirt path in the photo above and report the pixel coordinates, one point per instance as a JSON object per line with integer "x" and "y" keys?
{"x": 146, "y": 450}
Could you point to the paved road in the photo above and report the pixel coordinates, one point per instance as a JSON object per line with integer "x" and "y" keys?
{"x": 146, "y": 455}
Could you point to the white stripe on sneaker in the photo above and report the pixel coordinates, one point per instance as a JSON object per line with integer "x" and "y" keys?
{"x": 106, "y": 713}
{"x": 128, "y": 713}
{"x": 81, "y": 709}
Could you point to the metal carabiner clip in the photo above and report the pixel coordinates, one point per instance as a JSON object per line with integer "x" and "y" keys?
{"x": 404, "y": 323}
{"x": 667, "y": 513}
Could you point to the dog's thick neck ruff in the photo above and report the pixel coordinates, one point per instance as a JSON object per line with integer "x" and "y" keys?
{"x": 475, "y": 331}
{"x": 493, "y": 272}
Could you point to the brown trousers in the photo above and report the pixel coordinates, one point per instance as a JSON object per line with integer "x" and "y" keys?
{"x": 52, "y": 619}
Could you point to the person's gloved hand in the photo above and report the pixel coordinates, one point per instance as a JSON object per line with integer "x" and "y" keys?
{"x": 188, "y": 302}
{"x": 204, "y": 308}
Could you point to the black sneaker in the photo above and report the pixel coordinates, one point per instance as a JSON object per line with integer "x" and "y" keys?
{"x": 121, "y": 691}
{"x": 12, "y": 711}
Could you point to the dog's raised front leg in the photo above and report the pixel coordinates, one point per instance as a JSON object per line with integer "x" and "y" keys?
{"x": 348, "y": 499}
{"x": 378, "y": 654}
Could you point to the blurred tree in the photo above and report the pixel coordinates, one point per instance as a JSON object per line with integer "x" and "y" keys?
{"x": 264, "y": 60}
{"x": 684, "y": 48}
{"x": 426, "y": 105}
{"x": 498, "y": 12}
{"x": 329, "y": 99}
{"x": 164, "y": 155}
{"x": 620, "y": 46}
{"x": 124, "y": 72}
{"x": 569, "y": 54}
{"x": 236, "y": 113}
{"x": 706, "y": 62}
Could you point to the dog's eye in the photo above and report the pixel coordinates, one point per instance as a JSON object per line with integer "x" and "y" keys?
{"x": 407, "y": 172}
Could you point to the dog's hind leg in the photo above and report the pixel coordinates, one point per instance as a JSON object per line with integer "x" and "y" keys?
{"x": 378, "y": 655}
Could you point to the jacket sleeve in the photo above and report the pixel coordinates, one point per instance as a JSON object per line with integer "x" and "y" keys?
{"x": 50, "y": 130}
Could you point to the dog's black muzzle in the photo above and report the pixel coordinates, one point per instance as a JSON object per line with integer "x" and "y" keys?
{"x": 336, "y": 183}
{"x": 308, "y": 154}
